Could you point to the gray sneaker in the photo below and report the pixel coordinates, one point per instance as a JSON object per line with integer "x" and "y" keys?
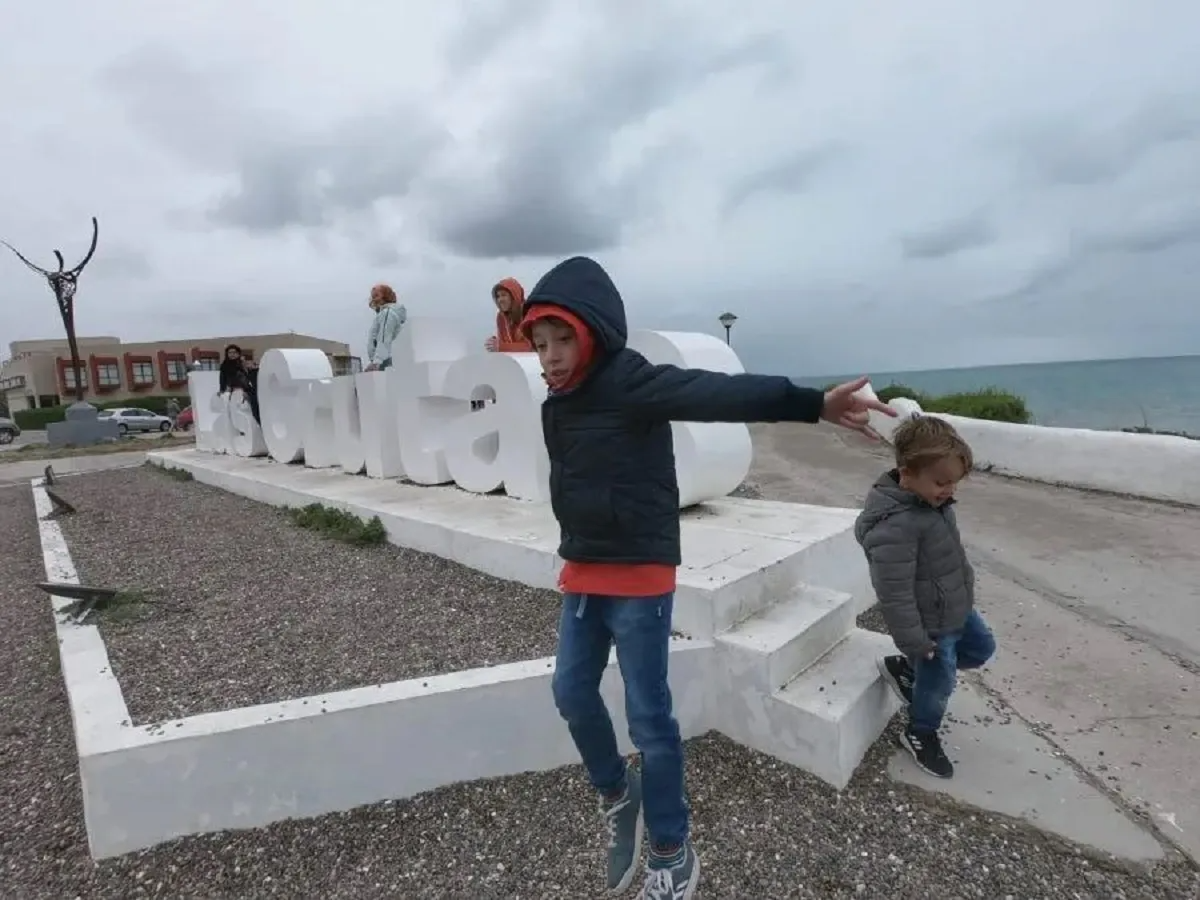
{"x": 623, "y": 818}
{"x": 677, "y": 882}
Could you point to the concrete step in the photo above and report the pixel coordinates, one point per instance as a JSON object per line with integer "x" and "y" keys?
{"x": 823, "y": 721}
{"x": 775, "y": 645}
{"x": 840, "y": 705}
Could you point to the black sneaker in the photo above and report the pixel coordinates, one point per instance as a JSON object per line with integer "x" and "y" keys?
{"x": 926, "y": 749}
{"x": 899, "y": 675}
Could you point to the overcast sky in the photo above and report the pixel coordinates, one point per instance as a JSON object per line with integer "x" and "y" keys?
{"x": 868, "y": 186}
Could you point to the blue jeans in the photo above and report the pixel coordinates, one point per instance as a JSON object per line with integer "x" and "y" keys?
{"x": 968, "y": 648}
{"x": 641, "y": 629}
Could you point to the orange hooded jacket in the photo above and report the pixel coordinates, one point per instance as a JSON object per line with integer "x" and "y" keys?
{"x": 509, "y": 336}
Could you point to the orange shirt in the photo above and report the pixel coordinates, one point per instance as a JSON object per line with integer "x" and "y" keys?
{"x": 617, "y": 579}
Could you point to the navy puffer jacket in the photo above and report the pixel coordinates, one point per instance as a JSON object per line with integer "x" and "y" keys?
{"x": 612, "y": 460}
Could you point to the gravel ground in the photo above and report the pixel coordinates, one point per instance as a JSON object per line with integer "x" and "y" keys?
{"x": 763, "y": 828}
{"x": 243, "y": 607}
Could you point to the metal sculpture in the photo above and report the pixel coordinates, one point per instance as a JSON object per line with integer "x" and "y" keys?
{"x": 64, "y": 283}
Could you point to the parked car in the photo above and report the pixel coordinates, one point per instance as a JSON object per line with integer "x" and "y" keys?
{"x": 9, "y": 431}
{"x": 185, "y": 420}
{"x": 131, "y": 418}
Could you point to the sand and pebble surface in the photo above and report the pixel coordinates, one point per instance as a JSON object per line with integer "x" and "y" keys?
{"x": 234, "y": 605}
{"x": 764, "y": 829}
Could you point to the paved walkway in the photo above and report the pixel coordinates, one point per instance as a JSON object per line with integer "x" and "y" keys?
{"x": 1096, "y": 604}
{"x": 19, "y": 473}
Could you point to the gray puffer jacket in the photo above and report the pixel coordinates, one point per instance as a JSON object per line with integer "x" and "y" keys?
{"x": 919, "y": 569}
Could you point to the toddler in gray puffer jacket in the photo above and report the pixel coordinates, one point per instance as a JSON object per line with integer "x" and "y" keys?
{"x": 923, "y": 579}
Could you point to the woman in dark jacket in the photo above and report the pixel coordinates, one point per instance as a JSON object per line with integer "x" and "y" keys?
{"x": 236, "y": 375}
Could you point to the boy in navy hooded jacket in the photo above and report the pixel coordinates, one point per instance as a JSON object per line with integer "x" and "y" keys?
{"x": 607, "y": 426}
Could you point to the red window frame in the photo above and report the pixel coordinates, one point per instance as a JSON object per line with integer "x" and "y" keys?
{"x": 94, "y": 364}
{"x": 200, "y": 355}
{"x": 64, "y": 366}
{"x": 132, "y": 359}
{"x": 165, "y": 373}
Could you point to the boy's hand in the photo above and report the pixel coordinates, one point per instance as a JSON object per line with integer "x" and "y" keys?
{"x": 844, "y": 407}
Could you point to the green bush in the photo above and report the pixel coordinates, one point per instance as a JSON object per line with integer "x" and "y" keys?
{"x": 892, "y": 391}
{"x": 994, "y": 404}
{"x": 38, "y": 419}
{"x": 340, "y": 525}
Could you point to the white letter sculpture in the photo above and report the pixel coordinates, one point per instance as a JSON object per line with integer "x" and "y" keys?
{"x": 347, "y": 427}
{"x": 415, "y": 419}
{"x": 224, "y": 423}
{"x": 283, "y": 395}
{"x": 202, "y": 388}
{"x": 501, "y": 444}
{"x": 421, "y": 355}
{"x": 711, "y": 458}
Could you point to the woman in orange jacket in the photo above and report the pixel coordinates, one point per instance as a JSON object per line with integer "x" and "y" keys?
{"x": 509, "y": 298}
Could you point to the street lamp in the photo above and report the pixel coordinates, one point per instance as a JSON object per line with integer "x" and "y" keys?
{"x": 727, "y": 320}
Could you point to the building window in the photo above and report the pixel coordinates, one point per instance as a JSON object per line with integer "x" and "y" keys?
{"x": 208, "y": 364}
{"x": 108, "y": 375}
{"x": 176, "y": 370}
{"x": 69, "y": 376}
{"x": 143, "y": 373}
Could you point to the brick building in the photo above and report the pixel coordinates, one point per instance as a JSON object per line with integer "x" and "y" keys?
{"x": 39, "y": 373}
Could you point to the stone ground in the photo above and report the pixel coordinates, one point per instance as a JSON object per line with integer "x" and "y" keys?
{"x": 237, "y": 606}
{"x": 763, "y": 828}
{"x": 1095, "y": 604}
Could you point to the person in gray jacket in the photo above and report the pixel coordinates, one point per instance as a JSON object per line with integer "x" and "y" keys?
{"x": 923, "y": 579}
{"x": 390, "y": 317}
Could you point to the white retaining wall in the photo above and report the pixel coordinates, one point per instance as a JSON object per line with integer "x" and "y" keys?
{"x": 1155, "y": 466}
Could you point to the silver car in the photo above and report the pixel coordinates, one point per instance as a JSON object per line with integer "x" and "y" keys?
{"x": 9, "y": 431}
{"x": 131, "y": 418}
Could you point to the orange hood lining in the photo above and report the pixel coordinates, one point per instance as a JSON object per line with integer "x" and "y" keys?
{"x": 583, "y": 336}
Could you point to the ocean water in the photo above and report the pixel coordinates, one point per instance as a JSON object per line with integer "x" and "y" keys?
{"x": 1104, "y": 394}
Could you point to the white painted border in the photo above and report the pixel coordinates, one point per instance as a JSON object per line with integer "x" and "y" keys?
{"x": 92, "y": 688}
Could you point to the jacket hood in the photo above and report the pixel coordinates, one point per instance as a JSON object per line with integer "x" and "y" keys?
{"x": 885, "y": 499}
{"x": 582, "y": 287}
{"x": 513, "y": 287}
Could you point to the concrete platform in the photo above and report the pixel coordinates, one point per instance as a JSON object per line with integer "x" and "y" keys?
{"x": 775, "y": 586}
{"x": 1002, "y": 766}
{"x": 739, "y": 556}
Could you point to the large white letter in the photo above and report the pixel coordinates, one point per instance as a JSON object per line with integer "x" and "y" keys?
{"x": 245, "y": 435}
{"x": 500, "y": 445}
{"x": 347, "y": 431}
{"x": 283, "y": 396}
{"x": 711, "y": 458}
{"x": 202, "y": 388}
{"x": 320, "y": 443}
{"x": 421, "y": 356}
{"x": 377, "y": 419}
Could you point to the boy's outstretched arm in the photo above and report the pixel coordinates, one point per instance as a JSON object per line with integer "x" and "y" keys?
{"x": 695, "y": 395}
{"x": 891, "y": 548}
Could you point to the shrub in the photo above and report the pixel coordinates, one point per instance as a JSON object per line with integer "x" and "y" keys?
{"x": 893, "y": 390}
{"x": 340, "y": 525}
{"x": 170, "y": 471}
{"x": 38, "y": 419}
{"x": 994, "y": 404}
